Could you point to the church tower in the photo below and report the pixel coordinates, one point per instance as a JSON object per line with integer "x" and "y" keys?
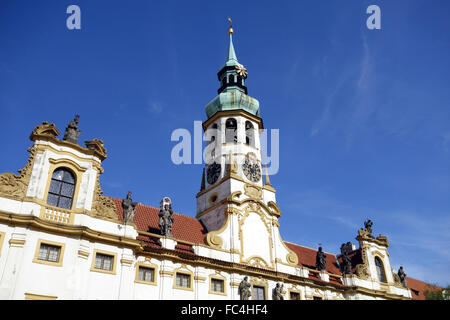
{"x": 235, "y": 204}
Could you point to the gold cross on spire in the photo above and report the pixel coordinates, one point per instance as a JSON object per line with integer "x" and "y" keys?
{"x": 230, "y": 29}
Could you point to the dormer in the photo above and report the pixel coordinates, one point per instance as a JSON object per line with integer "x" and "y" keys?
{"x": 61, "y": 178}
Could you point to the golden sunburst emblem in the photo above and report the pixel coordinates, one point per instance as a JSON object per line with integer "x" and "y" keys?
{"x": 242, "y": 71}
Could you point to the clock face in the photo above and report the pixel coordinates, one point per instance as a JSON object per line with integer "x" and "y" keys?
{"x": 251, "y": 169}
{"x": 213, "y": 172}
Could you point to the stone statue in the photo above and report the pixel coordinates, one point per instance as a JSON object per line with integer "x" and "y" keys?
{"x": 346, "y": 262}
{"x": 244, "y": 289}
{"x": 277, "y": 292}
{"x": 402, "y": 275}
{"x": 72, "y": 131}
{"x": 368, "y": 226}
{"x": 166, "y": 217}
{"x": 129, "y": 208}
{"x": 321, "y": 260}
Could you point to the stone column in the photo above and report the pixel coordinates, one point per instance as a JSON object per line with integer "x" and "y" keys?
{"x": 126, "y": 275}
{"x": 13, "y": 265}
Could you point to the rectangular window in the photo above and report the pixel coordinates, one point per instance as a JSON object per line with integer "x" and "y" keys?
{"x": 104, "y": 262}
{"x": 295, "y": 296}
{"x": 146, "y": 274}
{"x": 217, "y": 285}
{"x": 258, "y": 293}
{"x": 183, "y": 280}
{"x": 317, "y": 298}
{"x": 49, "y": 253}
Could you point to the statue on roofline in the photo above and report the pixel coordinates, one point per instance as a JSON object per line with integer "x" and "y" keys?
{"x": 346, "y": 262}
{"x": 402, "y": 275}
{"x": 129, "y": 208}
{"x": 321, "y": 260}
{"x": 72, "y": 133}
{"x": 166, "y": 217}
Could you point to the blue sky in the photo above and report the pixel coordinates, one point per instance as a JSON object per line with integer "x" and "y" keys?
{"x": 364, "y": 115}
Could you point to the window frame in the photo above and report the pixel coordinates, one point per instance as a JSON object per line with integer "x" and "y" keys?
{"x": 295, "y": 292}
{"x": 61, "y": 246}
{"x": 217, "y": 278}
{"x": 187, "y": 273}
{"x": 138, "y": 265}
{"x": 59, "y": 195}
{"x": 235, "y": 138}
{"x": 262, "y": 287}
{"x": 381, "y": 268}
{"x": 106, "y": 253}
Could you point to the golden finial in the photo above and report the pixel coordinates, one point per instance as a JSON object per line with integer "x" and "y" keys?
{"x": 230, "y": 29}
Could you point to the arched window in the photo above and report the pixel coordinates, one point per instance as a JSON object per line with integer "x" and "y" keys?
{"x": 231, "y": 78}
{"x": 62, "y": 188}
{"x": 231, "y": 130}
{"x": 212, "y": 133}
{"x": 249, "y": 134}
{"x": 380, "y": 269}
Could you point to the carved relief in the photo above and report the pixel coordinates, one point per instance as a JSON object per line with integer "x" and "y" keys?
{"x": 362, "y": 271}
{"x": 258, "y": 262}
{"x": 15, "y": 186}
{"x": 396, "y": 278}
{"x": 253, "y": 191}
{"x": 103, "y": 206}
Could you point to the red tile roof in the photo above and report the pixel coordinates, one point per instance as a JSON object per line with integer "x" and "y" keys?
{"x": 146, "y": 219}
{"x": 418, "y": 288}
{"x": 355, "y": 258}
{"x": 307, "y": 258}
{"x": 190, "y": 229}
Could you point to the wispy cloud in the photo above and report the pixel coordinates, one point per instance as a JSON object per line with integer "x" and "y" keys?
{"x": 421, "y": 243}
{"x": 155, "y": 107}
{"x": 355, "y": 81}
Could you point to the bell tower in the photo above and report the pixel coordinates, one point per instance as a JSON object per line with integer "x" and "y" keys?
{"x": 235, "y": 203}
{"x": 233, "y": 150}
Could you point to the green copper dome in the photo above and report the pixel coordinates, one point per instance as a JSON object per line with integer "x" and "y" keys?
{"x": 233, "y": 92}
{"x": 233, "y": 100}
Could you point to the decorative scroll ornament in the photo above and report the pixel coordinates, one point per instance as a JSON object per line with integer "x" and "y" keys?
{"x": 103, "y": 206}
{"x": 214, "y": 240}
{"x": 241, "y": 71}
{"x": 98, "y": 146}
{"x": 15, "y": 186}
{"x": 44, "y": 130}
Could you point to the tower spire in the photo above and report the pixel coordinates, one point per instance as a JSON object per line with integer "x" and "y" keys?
{"x": 231, "y": 59}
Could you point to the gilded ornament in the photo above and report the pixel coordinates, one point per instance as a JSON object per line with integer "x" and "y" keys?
{"x": 103, "y": 206}
{"x": 242, "y": 71}
{"x": 15, "y": 186}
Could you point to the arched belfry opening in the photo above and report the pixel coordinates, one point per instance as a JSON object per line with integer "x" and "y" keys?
{"x": 249, "y": 134}
{"x": 231, "y": 130}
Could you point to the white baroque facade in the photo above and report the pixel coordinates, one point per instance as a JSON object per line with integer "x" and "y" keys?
{"x": 61, "y": 238}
